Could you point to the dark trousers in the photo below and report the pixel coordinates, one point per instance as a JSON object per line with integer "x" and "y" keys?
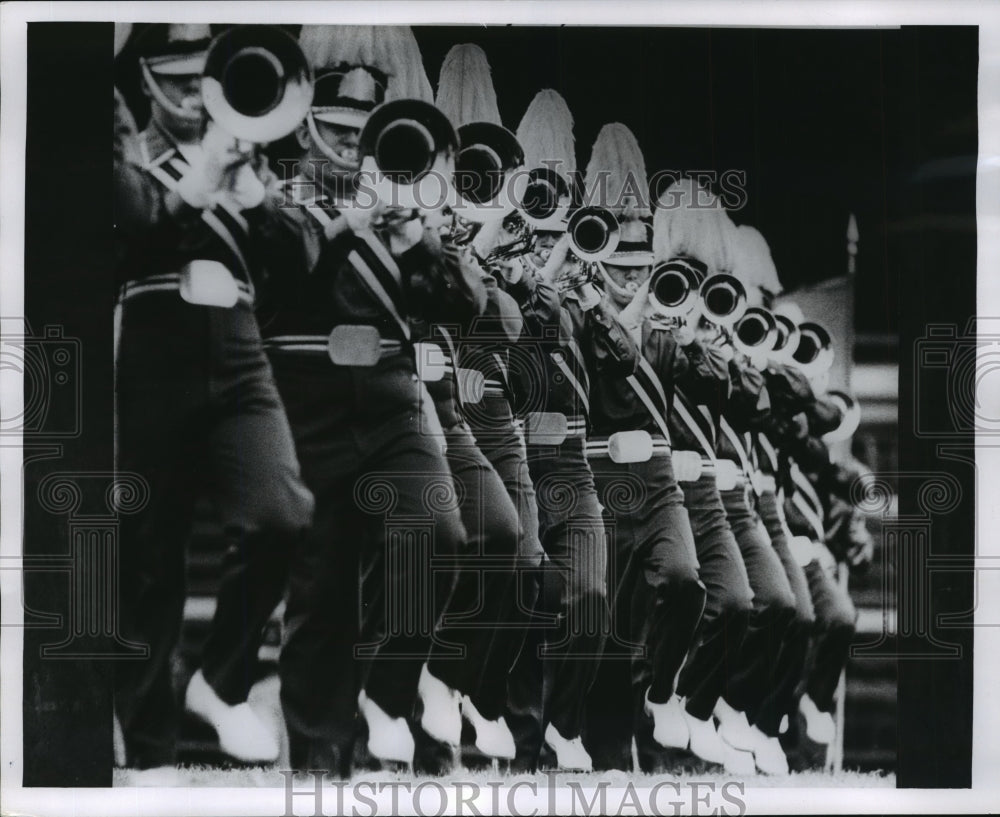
{"x": 728, "y": 605}
{"x": 774, "y": 608}
{"x": 493, "y": 427}
{"x": 365, "y": 595}
{"x": 658, "y": 601}
{"x": 790, "y": 667}
{"x": 198, "y": 411}
{"x": 836, "y": 620}
{"x": 556, "y": 666}
{"x": 482, "y": 618}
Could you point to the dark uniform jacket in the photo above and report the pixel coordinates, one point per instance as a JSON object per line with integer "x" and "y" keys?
{"x": 159, "y": 233}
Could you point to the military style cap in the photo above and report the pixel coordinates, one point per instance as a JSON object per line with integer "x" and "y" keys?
{"x": 174, "y": 49}
{"x": 347, "y": 94}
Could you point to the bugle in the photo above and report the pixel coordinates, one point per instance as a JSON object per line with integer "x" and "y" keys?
{"x": 257, "y": 84}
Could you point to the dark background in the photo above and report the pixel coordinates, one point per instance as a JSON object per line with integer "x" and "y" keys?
{"x": 879, "y": 123}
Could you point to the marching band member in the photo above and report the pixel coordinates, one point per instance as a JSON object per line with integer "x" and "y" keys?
{"x": 484, "y": 346}
{"x": 705, "y": 224}
{"x": 754, "y": 266}
{"x": 340, "y": 341}
{"x": 567, "y": 638}
{"x": 798, "y": 428}
{"x": 653, "y": 567}
{"x": 700, "y": 395}
{"x": 198, "y": 237}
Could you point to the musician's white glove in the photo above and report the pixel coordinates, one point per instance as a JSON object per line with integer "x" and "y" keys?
{"x": 487, "y": 237}
{"x": 631, "y": 316}
{"x": 557, "y": 257}
{"x": 213, "y": 169}
{"x": 246, "y": 189}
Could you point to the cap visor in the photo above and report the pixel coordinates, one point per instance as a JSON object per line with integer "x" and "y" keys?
{"x": 631, "y": 259}
{"x": 178, "y": 66}
{"x": 346, "y": 117}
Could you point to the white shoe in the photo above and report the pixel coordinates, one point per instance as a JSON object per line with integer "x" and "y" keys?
{"x": 570, "y": 754}
{"x": 388, "y": 738}
{"x": 493, "y": 738}
{"x": 734, "y": 728}
{"x": 442, "y": 717}
{"x": 705, "y": 740}
{"x": 738, "y": 761}
{"x": 241, "y": 732}
{"x": 768, "y": 754}
{"x": 670, "y": 729}
{"x": 820, "y": 727}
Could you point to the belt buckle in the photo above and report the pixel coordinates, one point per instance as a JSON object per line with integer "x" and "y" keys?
{"x": 354, "y": 345}
{"x": 726, "y": 475}
{"x": 546, "y": 428}
{"x": 430, "y": 361}
{"x": 208, "y": 283}
{"x": 630, "y": 446}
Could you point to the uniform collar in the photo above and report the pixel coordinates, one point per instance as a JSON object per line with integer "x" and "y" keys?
{"x": 155, "y": 144}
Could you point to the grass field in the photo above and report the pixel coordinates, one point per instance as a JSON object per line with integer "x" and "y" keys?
{"x": 269, "y": 777}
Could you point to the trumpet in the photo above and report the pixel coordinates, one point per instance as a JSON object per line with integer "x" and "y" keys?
{"x": 484, "y": 187}
{"x": 755, "y": 332}
{"x": 487, "y": 157}
{"x": 593, "y": 233}
{"x": 408, "y": 148}
{"x": 722, "y": 300}
{"x": 787, "y": 339}
{"x": 850, "y": 419}
{"x": 544, "y": 202}
{"x": 673, "y": 288}
{"x": 522, "y": 242}
{"x": 257, "y": 84}
{"x": 813, "y": 353}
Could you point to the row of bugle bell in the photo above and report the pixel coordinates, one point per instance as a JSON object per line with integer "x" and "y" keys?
{"x": 258, "y": 86}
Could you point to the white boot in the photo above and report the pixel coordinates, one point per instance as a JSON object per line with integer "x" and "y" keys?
{"x": 493, "y": 738}
{"x": 388, "y": 738}
{"x": 733, "y": 727}
{"x": 241, "y": 732}
{"x": 442, "y": 718}
{"x": 570, "y": 754}
{"x": 768, "y": 754}
{"x": 739, "y": 762}
{"x": 705, "y": 740}
{"x": 670, "y": 729}
{"x": 820, "y": 727}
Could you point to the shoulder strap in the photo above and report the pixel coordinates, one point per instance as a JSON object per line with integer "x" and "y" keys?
{"x": 806, "y": 487}
{"x": 223, "y": 219}
{"x": 769, "y": 450}
{"x": 659, "y": 417}
{"x": 809, "y": 513}
{"x": 683, "y": 410}
{"x": 369, "y": 258}
{"x": 737, "y": 443}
